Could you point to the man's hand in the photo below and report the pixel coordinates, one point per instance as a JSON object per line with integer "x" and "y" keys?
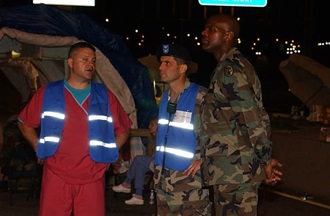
{"x": 272, "y": 174}
{"x": 193, "y": 168}
{"x": 40, "y": 161}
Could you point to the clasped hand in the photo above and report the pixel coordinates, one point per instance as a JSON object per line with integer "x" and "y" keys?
{"x": 273, "y": 175}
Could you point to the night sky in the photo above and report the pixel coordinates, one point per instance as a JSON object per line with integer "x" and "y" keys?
{"x": 299, "y": 20}
{"x": 303, "y": 21}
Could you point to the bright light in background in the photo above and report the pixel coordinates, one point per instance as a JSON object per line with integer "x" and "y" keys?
{"x": 323, "y": 44}
{"x": 260, "y": 47}
{"x": 15, "y": 54}
{"x": 66, "y": 2}
{"x": 293, "y": 49}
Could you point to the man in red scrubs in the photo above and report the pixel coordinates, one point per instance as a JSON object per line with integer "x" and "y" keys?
{"x": 82, "y": 126}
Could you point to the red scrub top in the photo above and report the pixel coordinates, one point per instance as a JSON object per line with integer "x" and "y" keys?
{"x": 72, "y": 161}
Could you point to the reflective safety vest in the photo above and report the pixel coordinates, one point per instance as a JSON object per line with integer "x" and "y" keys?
{"x": 102, "y": 141}
{"x": 176, "y": 139}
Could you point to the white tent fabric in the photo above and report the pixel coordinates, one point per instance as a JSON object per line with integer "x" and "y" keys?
{"x": 104, "y": 68}
{"x": 48, "y": 69}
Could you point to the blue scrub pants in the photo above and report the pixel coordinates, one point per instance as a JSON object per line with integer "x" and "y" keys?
{"x": 137, "y": 171}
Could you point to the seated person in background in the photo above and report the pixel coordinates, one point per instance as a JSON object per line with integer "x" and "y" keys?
{"x": 139, "y": 167}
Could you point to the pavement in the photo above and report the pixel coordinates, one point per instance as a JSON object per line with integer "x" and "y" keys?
{"x": 271, "y": 203}
{"x": 305, "y": 172}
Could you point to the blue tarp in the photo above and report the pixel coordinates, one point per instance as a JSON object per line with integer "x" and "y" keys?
{"x": 49, "y": 20}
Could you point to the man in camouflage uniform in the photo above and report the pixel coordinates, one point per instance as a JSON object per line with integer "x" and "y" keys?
{"x": 177, "y": 176}
{"x": 235, "y": 134}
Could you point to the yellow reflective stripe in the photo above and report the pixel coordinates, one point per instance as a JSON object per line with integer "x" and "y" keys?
{"x": 99, "y": 117}
{"x": 182, "y": 125}
{"x": 100, "y": 143}
{"x": 53, "y": 114}
{"x": 49, "y": 139}
{"x": 163, "y": 121}
{"x": 160, "y": 148}
{"x": 174, "y": 151}
{"x": 176, "y": 124}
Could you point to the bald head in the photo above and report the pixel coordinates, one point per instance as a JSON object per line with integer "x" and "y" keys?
{"x": 220, "y": 34}
{"x": 230, "y": 23}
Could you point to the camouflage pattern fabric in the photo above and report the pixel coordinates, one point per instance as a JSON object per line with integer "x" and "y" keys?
{"x": 178, "y": 194}
{"x": 236, "y": 200}
{"x": 235, "y": 132}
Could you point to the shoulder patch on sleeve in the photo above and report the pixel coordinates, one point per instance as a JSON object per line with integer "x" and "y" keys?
{"x": 229, "y": 70}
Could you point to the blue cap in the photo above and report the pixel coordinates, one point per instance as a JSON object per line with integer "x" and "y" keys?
{"x": 175, "y": 50}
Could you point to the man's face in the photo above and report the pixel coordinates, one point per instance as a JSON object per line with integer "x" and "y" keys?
{"x": 169, "y": 69}
{"x": 214, "y": 34}
{"x": 82, "y": 64}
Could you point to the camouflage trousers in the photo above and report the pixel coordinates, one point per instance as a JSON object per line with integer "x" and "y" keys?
{"x": 183, "y": 203}
{"x": 236, "y": 199}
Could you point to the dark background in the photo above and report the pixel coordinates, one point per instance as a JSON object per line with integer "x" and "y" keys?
{"x": 302, "y": 22}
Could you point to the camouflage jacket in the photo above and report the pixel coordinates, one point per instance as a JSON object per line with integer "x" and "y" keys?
{"x": 175, "y": 180}
{"x": 235, "y": 132}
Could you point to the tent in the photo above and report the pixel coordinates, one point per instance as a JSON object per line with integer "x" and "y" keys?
{"x": 42, "y": 35}
{"x": 46, "y": 32}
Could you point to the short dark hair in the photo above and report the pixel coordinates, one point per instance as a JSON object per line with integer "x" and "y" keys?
{"x": 80, "y": 45}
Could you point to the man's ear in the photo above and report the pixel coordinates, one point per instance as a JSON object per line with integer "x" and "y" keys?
{"x": 229, "y": 35}
{"x": 183, "y": 68}
{"x": 70, "y": 62}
